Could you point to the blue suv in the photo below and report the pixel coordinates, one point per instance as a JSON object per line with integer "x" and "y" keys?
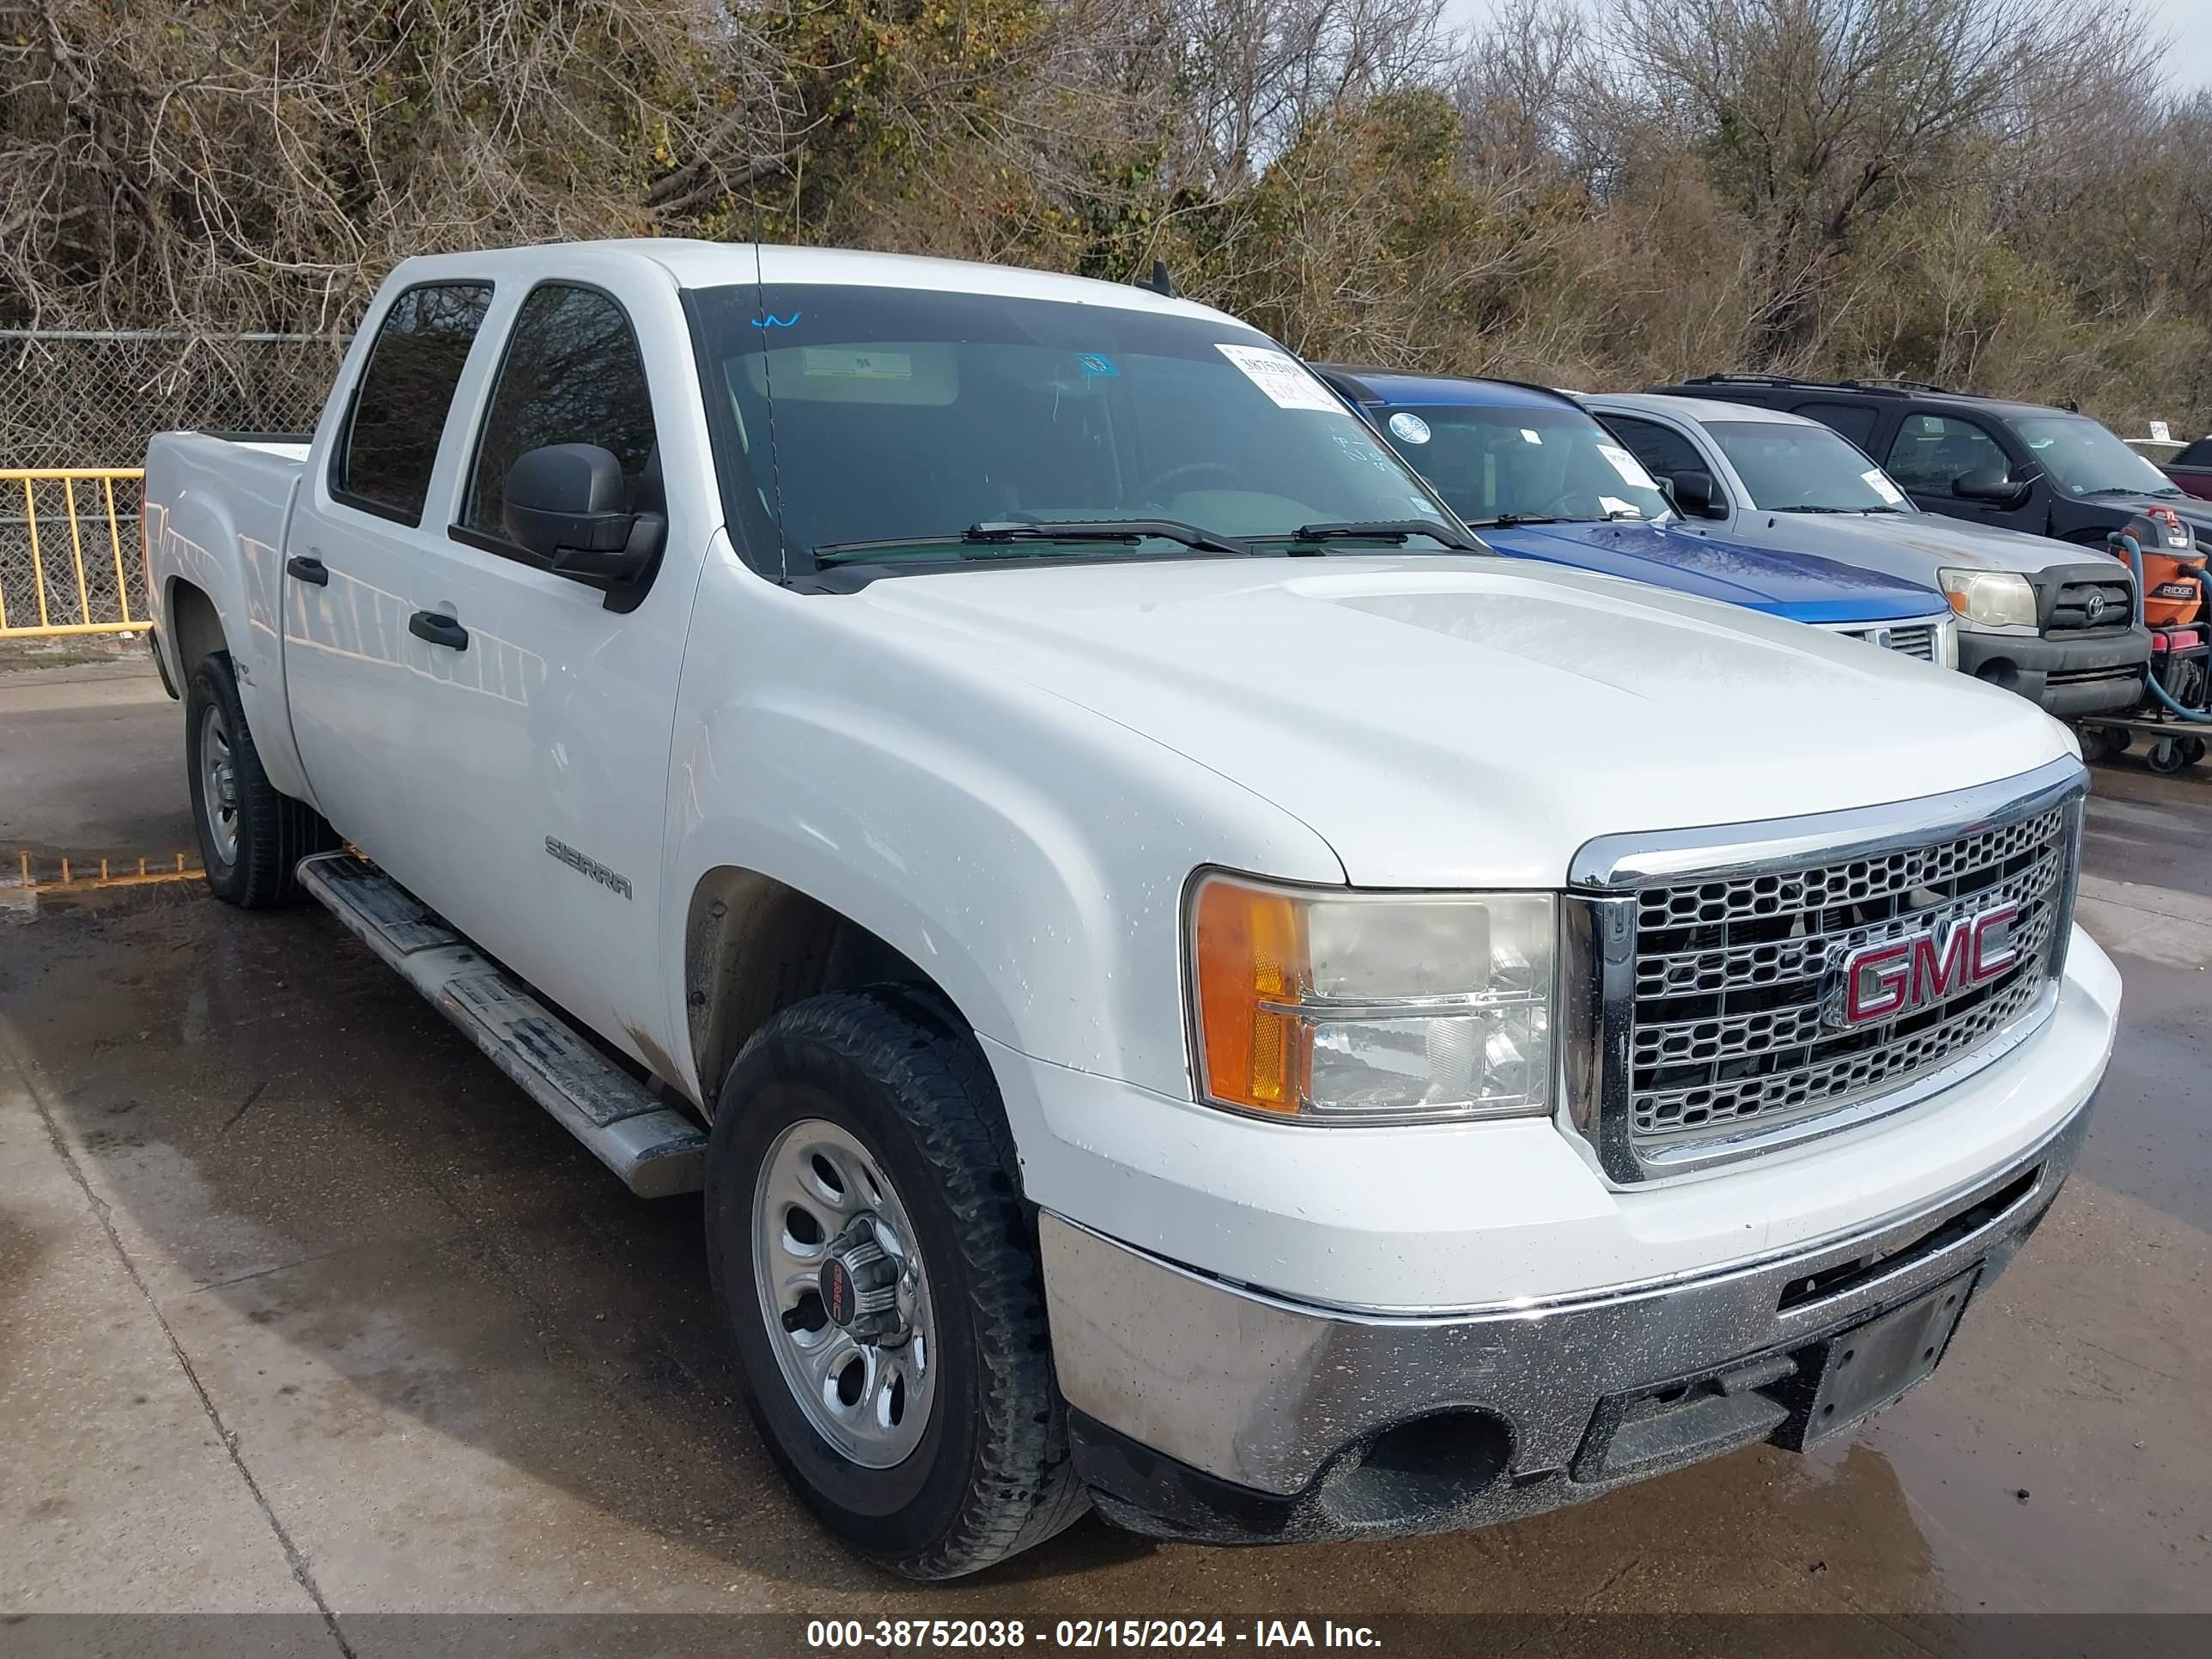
{"x": 1531, "y": 471}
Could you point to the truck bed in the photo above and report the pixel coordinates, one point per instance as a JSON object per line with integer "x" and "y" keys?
{"x": 218, "y": 506}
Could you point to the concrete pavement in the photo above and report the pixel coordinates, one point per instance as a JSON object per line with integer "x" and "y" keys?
{"x": 303, "y": 1307}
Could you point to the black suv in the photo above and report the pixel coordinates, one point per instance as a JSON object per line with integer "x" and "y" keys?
{"x": 2012, "y": 466}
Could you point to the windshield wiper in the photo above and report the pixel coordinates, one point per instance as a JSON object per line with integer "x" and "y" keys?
{"x": 1508, "y": 520}
{"x": 1106, "y": 530}
{"x": 1131, "y": 530}
{"x": 1809, "y": 509}
{"x": 1383, "y": 530}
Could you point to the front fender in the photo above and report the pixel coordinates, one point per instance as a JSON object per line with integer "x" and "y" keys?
{"x": 1027, "y": 853}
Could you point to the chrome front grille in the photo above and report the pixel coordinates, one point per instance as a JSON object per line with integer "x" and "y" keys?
{"x": 1910, "y": 639}
{"x": 1716, "y": 1030}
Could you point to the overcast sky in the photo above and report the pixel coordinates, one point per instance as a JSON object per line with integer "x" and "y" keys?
{"x": 2189, "y": 21}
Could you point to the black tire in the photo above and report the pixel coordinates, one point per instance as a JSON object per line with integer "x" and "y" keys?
{"x": 2192, "y": 751}
{"x": 2166, "y": 757}
{"x": 273, "y": 832}
{"x": 990, "y": 1475}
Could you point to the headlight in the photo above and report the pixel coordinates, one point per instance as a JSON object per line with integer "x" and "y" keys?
{"x": 1371, "y": 1008}
{"x": 1989, "y": 599}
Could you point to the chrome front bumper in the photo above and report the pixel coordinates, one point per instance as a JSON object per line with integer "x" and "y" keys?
{"x": 1205, "y": 1409}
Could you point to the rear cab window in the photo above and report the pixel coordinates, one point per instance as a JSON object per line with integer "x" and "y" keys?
{"x": 872, "y": 425}
{"x": 382, "y": 463}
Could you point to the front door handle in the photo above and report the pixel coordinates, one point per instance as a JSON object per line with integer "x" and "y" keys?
{"x": 313, "y": 572}
{"x": 438, "y": 629}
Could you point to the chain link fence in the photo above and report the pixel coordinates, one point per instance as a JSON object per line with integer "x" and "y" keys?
{"x": 72, "y": 398}
{"x": 84, "y": 403}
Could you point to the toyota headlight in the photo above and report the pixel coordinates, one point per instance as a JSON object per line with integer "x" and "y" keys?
{"x": 1989, "y": 599}
{"x": 1342, "y": 1008}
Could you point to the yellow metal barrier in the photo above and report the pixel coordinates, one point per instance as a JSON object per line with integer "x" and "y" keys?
{"x": 90, "y": 593}
{"x": 80, "y": 878}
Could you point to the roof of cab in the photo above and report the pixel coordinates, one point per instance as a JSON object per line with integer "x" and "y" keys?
{"x": 1695, "y": 408}
{"x": 1393, "y": 388}
{"x": 692, "y": 264}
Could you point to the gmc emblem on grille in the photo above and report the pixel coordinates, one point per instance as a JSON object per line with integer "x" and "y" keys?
{"x": 1885, "y": 978}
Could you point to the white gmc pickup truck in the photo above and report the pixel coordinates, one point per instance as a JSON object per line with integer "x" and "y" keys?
{"x": 1189, "y": 987}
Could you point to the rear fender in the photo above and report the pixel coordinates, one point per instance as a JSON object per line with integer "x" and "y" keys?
{"x": 215, "y": 518}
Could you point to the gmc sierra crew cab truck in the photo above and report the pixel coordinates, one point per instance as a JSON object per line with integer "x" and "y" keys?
{"x": 1189, "y": 986}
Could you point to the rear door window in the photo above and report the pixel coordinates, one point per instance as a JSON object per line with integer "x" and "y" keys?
{"x": 572, "y": 374}
{"x": 1855, "y": 421}
{"x": 1930, "y": 451}
{"x": 2196, "y": 454}
{"x": 406, "y": 390}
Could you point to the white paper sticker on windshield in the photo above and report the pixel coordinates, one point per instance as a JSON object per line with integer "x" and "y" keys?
{"x": 1283, "y": 378}
{"x": 1630, "y": 470}
{"x": 1530, "y": 435}
{"x": 1409, "y": 426}
{"x": 1879, "y": 483}
{"x": 842, "y": 363}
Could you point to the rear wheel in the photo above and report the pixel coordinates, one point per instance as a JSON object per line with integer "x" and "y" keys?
{"x": 870, "y": 1249}
{"x": 251, "y": 836}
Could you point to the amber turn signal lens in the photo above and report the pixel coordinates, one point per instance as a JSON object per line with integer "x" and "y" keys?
{"x": 1250, "y": 952}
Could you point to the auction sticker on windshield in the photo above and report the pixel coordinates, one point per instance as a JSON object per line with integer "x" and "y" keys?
{"x": 1630, "y": 470}
{"x": 1280, "y": 376}
{"x": 1878, "y": 481}
{"x": 1411, "y": 427}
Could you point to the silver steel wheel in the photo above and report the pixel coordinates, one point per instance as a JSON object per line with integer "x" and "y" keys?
{"x": 218, "y": 786}
{"x": 844, "y": 1294}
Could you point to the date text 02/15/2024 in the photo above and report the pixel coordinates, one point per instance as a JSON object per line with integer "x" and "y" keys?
{"x": 988, "y": 1634}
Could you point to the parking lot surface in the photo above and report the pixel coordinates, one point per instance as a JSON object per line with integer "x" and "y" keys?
{"x": 305, "y": 1308}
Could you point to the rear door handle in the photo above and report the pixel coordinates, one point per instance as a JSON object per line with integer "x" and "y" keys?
{"x": 312, "y": 571}
{"x": 438, "y": 629}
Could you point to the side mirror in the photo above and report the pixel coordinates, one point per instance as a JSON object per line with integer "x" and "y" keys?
{"x": 568, "y": 503}
{"x": 1693, "y": 495}
{"x": 1989, "y": 483}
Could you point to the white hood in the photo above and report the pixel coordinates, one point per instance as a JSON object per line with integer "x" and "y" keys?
{"x": 1464, "y": 721}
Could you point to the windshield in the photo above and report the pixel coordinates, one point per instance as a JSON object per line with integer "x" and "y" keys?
{"x": 2082, "y": 458}
{"x": 867, "y": 423}
{"x": 1539, "y": 462}
{"x": 1792, "y": 468}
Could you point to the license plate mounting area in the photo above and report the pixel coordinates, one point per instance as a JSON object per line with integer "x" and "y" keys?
{"x": 1856, "y": 1372}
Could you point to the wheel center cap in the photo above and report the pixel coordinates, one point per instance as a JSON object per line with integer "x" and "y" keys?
{"x": 837, "y": 1295}
{"x": 859, "y": 1285}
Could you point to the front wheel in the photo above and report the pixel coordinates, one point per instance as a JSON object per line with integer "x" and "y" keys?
{"x": 251, "y": 836}
{"x": 870, "y": 1249}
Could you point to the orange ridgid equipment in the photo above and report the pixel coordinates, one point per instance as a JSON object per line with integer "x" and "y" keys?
{"x": 2175, "y": 596}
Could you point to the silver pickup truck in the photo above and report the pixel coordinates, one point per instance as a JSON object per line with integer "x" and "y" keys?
{"x": 2054, "y": 623}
